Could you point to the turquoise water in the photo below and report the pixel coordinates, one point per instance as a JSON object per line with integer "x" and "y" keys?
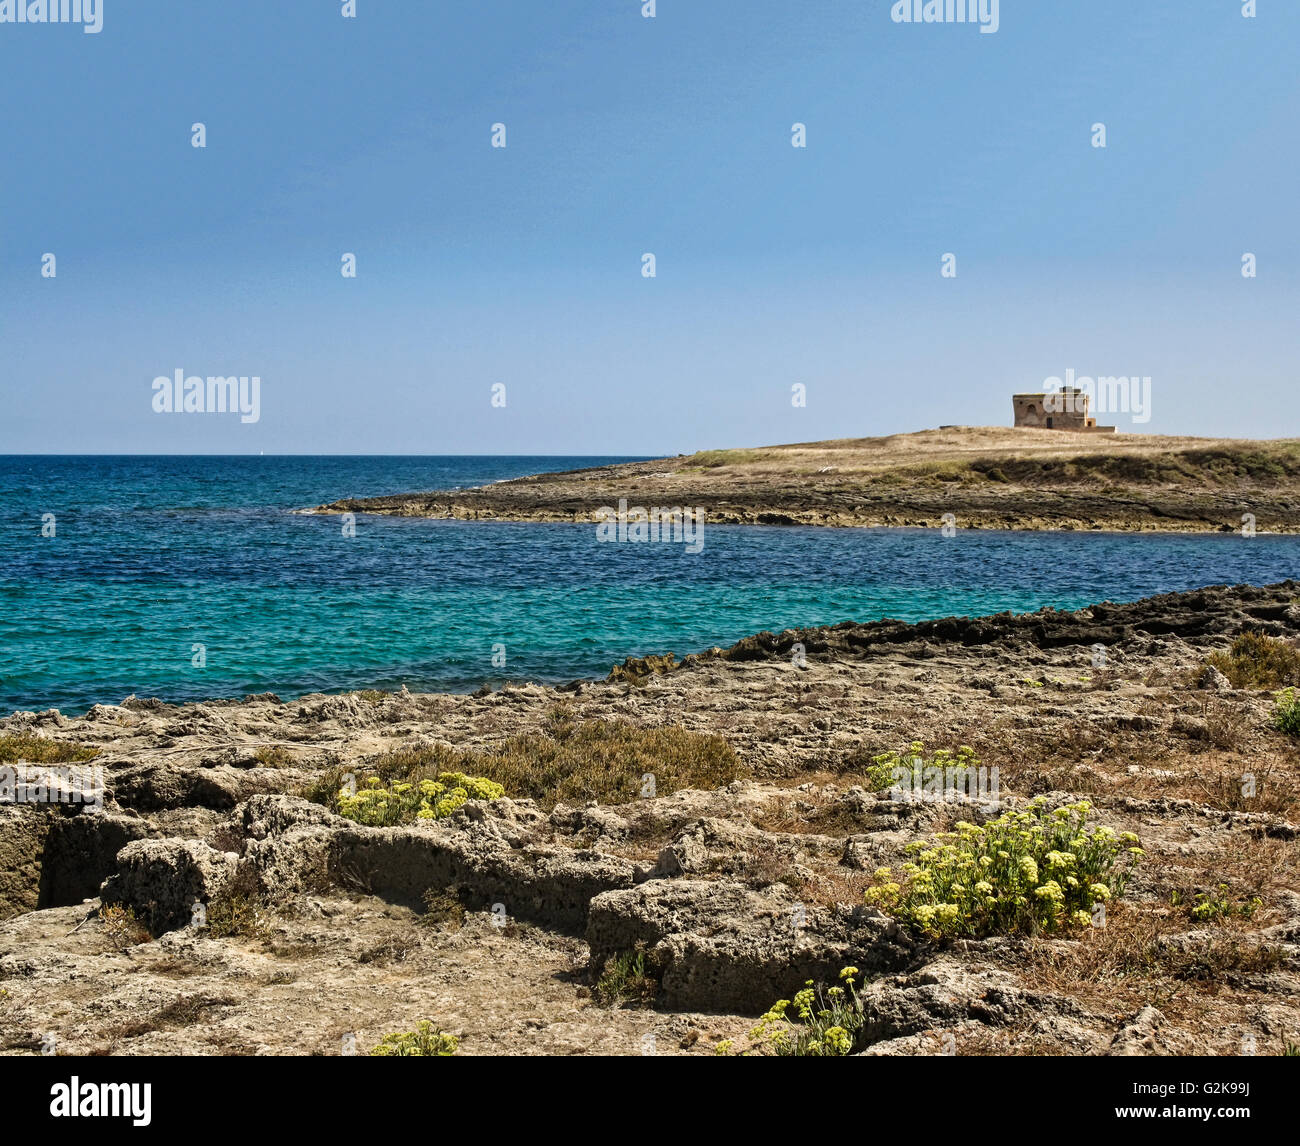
{"x": 152, "y": 556}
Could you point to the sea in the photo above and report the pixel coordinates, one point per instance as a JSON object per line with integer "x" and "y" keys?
{"x": 192, "y": 578}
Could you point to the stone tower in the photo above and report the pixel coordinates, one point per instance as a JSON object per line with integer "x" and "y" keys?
{"x": 1064, "y": 409}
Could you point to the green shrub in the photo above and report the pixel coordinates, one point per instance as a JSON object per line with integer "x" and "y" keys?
{"x": 1030, "y": 871}
{"x": 1286, "y": 712}
{"x": 1254, "y": 660}
{"x": 817, "y": 1023}
{"x": 1212, "y": 907}
{"x": 423, "y": 1042}
{"x": 628, "y": 979}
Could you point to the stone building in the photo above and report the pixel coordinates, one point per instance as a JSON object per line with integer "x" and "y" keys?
{"x": 1064, "y": 409}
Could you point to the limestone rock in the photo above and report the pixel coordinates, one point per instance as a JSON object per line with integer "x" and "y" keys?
{"x": 162, "y": 879}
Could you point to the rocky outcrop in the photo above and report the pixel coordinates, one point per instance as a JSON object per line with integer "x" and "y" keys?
{"x": 161, "y": 880}
{"x": 150, "y": 787}
{"x": 81, "y": 852}
{"x": 51, "y": 857}
{"x": 1205, "y": 614}
{"x": 987, "y": 478}
{"x": 291, "y": 847}
{"x": 945, "y": 994}
{"x": 22, "y": 847}
{"x": 723, "y": 946}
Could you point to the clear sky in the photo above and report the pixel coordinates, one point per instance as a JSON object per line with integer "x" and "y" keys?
{"x": 625, "y": 135}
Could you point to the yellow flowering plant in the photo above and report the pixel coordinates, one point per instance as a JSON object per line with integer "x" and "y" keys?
{"x": 819, "y": 1022}
{"x": 909, "y": 768}
{"x": 423, "y": 1042}
{"x": 405, "y": 802}
{"x": 1027, "y": 871}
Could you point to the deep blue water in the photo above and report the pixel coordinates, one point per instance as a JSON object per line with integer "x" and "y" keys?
{"x": 153, "y": 555}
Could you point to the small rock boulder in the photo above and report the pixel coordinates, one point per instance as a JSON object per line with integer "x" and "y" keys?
{"x": 1212, "y": 679}
{"x": 162, "y": 879}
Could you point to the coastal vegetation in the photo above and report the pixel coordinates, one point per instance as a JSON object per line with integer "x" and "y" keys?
{"x": 42, "y": 750}
{"x": 1255, "y": 660}
{"x": 1025, "y": 872}
{"x": 570, "y": 760}
{"x": 818, "y": 1022}
{"x": 426, "y": 1041}
{"x": 1220, "y": 904}
{"x": 1286, "y": 712}
{"x": 698, "y": 897}
{"x": 274, "y": 756}
{"x": 405, "y": 802}
{"x": 630, "y": 978}
{"x": 121, "y": 927}
{"x": 239, "y": 910}
{"x": 945, "y": 769}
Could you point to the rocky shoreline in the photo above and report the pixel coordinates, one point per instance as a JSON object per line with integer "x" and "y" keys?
{"x": 497, "y": 921}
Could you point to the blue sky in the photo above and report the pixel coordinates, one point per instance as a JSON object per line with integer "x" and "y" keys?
{"x": 625, "y": 135}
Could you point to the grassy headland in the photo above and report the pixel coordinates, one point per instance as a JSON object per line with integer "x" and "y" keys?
{"x": 988, "y": 478}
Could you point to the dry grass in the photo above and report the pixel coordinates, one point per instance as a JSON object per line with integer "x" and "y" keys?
{"x": 1229, "y": 763}
{"x": 442, "y": 909}
{"x": 1257, "y": 864}
{"x": 239, "y": 911}
{"x": 180, "y": 1012}
{"x": 834, "y": 886}
{"x": 812, "y": 812}
{"x": 1151, "y": 951}
{"x": 1022, "y": 456}
{"x": 275, "y": 756}
{"x": 571, "y": 761}
{"x": 42, "y": 750}
{"x": 121, "y": 928}
{"x": 390, "y": 949}
{"x": 1135, "y": 960}
{"x": 1061, "y": 756}
{"x": 1268, "y": 785}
